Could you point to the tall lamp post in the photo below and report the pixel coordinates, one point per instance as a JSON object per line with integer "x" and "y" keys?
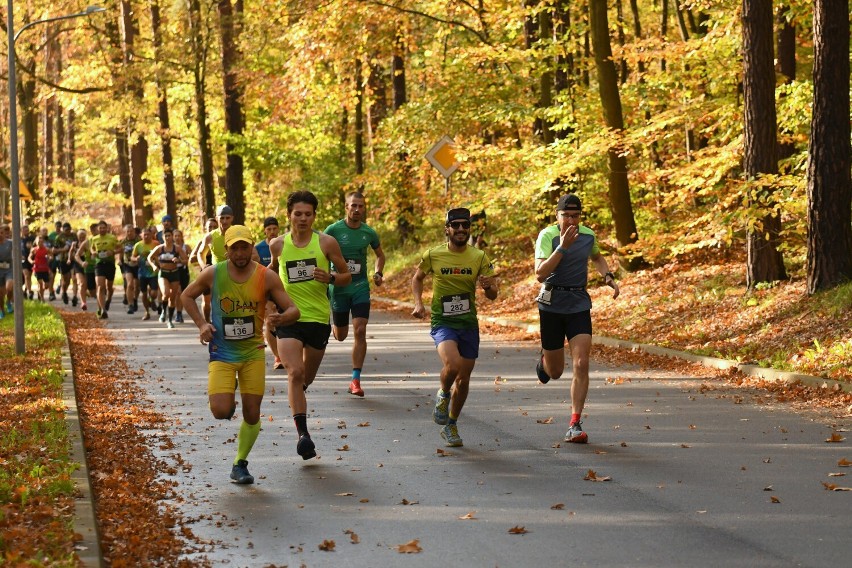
{"x": 17, "y": 270}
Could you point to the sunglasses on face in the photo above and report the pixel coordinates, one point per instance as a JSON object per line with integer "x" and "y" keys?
{"x": 460, "y": 224}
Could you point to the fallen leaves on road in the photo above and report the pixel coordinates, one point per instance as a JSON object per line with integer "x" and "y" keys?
{"x": 841, "y": 474}
{"x": 518, "y": 530}
{"x": 835, "y": 438}
{"x": 469, "y": 517}
{"x": 833, "y": 487}
{"x": 412, "y": 547}
{"x": 444, "y": 453}
{"x": 592, "y": 475}
{"x": 363, "y": 424}
{"x": 558, "y": 506}
{"x": 407, "y": 502}
{"x": 327, "y": 546}
{"x": 132, "y": 490}
{"x": 345, "y": 494}
{"x": 844, "y": 463}
{"x": 548, "y": 420}
{"x": 352, "y": 536}
{"x": 775, "y": 499}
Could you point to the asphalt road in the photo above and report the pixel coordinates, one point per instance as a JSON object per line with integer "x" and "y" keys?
{"x": 691, "y": 475}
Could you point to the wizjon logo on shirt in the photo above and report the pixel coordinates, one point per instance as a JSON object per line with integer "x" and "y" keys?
{"x": 228, "y": 305}
{"x": 457, "y": 270}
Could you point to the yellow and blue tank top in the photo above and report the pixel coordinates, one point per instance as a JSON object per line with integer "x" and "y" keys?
{"x": 238, "y": 310}
{"x": 296, "y": 267}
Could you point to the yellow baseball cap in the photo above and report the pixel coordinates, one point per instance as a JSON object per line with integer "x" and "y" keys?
{"x": 238, "y": 233}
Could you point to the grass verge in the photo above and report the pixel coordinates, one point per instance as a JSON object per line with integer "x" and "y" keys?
{"x": 36, "y": 490}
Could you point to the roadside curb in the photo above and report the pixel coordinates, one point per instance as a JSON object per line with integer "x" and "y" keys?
{"x": 88, "y": 546}
{"x": 713, "y": 362}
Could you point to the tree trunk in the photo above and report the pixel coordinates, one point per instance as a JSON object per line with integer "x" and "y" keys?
{"x": 398, "y": 67}
{"x": 163, "y": 114}
{"x": 142, "y": 209}
{"x": 622, "y": 63}
{"x": 123, "y": 153}
{"x": 829, "y": 260}
{"x": 564, "y": 73}
{"x": 619, "y": 188}
{"x": 70, "y": 147}
{"x": 199, "y": 73}
{"x": 230, "y": 21}
{"x": 764, "y": 262}
{"x": 61, "y": 140}
{"x": 664, "y": 29}
{"x": 545, "y": 84}
{"x": 786, "y": 66}
{"x": 359, "y": 119}
{"x": 47, "y": 156}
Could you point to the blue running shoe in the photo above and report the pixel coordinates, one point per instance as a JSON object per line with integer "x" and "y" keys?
{"x": 441, "y": 414}
{"x": 240, "y": 473}
{"x": 450, "y": 434}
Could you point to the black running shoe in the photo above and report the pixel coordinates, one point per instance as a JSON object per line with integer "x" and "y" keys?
{"x": 124, "y": 300}
{"x": 74, "y": 301}
{"x": 106, "y": 305}
{"x": 240, "y": 473}
{"x": 65, "y": 297}
{"x": 306, "y": 448}
{"x": 539, "y": 371}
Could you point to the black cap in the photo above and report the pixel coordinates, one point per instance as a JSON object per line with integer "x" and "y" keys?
{"x": 458, "y": 214}
{"x": 224, "y": 210}
{"x": 270, "y": 221}
{"x": 569, "y": 201}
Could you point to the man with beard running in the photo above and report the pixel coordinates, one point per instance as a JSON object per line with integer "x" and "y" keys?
{"x": 354, "y": 237}
{"x": 239, "y": 288}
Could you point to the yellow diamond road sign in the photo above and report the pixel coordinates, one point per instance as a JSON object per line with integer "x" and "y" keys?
{"x": 443, "y": 156}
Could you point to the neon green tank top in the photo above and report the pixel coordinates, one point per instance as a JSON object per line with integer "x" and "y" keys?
{"x": 296, "y": 268}
{"x": 217, "y": 246}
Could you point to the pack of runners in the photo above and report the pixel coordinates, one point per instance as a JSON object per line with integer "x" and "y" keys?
{"x": 293, "y": 292}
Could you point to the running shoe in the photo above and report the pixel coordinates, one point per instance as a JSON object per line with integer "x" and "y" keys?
{"x": 74, "y": 301}
{"x": 305, "y": 447}
{"x": 179, "y": 318}
{"x": 355, "y": 388}
{"x": 450, "y": 434}
{"x": 539, "y": 371}
{"x": 575, "y": 434}
{"x": 106, "y": 305}
{"x": 163, "y": 316}
{"x": 278, "y": 364}
{"x": 52, "y": 296}
{"x": 124, "y": 300}
{"x": 441, "y": 414}
{"x": 240, "y": 473}
{"x": 58, "y": 288}
{"x": 170, "y": 325}
{"x": 10, "y": 309}
{"x": 84, "y": 307}
{"x": 99, "y": 312}
{"x": 64, "y": 297}
{"x": 147, "y": 316}
{"x": 31, "y": 294}
{"x": 104, "y": 315}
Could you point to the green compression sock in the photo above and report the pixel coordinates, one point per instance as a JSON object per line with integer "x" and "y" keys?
{"x": 246, "y": 439}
